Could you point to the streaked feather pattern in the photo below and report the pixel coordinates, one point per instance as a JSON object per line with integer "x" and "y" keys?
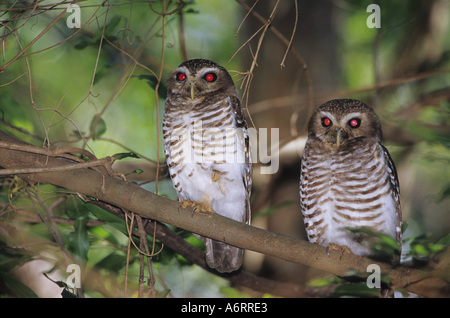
{"x": 354, "y": 185}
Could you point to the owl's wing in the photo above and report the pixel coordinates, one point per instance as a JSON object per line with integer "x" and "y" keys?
{"x": 241, "y": 123}
{"x": 248, "y": 177}
{"x": 237, "y": 109}
{"x": 395, "y": 186}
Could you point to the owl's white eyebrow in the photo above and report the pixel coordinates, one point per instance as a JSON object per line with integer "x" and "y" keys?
{"x": 327, "y": 114}
{"x": 182, "y": 69}
{"x": 208, "y": 70}
{"x": 352, "y": 115}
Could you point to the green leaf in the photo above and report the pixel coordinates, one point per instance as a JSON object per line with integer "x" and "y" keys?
{"x": 79, "y": 239}
{"x": 114, "y": 262}
{"x": 153, "y": 82}
{"x": 78, "y": 134}
{"x": 57, "y": 282}
{"x": 356, "y": 290}
{"x": 323, "y": 281}
{"x": 107, "y": 217}
{"x": 97, "y": 127}
{"x": 163, "y": 293}
{"x": 16, "y": 186}
{"x": 111, "y": 27}
{"x": 422, "y": 248}
{"x": 436, "y": 248}
{"x": 382, "y": 246}
{"x": 445, "y": 240}
{"x": 15, "y": 287}
{"x": 123, "y": 155}
{"x": 10, "y": 257}
{"x": 136, "y": 171}
{"x": 231, "y": 292}
{"x": 76, "y": 211}
{"x": 67, "y": 294}
{"x": 445, "y": 193}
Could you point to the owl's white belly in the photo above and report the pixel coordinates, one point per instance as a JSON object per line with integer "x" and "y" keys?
{"x": 351, "y": 190}
{"x": 225, "y": 193}
{"x": 207, "y": 164}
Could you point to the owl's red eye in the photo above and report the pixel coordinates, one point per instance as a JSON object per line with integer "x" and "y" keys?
{"x": 354, "y": 123}
{"x": 326, "y": 122}
{"x": 181, "y": 77}
{"x": 210, "y": 77}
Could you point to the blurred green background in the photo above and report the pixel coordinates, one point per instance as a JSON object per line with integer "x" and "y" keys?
{"x": 94, "y": 87}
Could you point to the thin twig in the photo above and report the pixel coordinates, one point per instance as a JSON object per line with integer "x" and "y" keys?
{"x": 99, "y": 162}
{"x": 32, "y": 42}
{"x": 130, "y": 240}
{"x": 292, "y": 36}
{"x": 300, "y": 60}
{"x": 183, "y": 47}
{"x": 161, "y": 67}
{"x": 249, "y": 74}
{"x": 130, "y": 232}
{"x": 246, "y": 16}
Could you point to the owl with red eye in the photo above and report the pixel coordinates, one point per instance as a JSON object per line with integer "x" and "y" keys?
{"x": 207, "y": 149}
{"x": 197, "y": 87}
{"x": 348, "y": 179}
{"x": 339, "y": 132}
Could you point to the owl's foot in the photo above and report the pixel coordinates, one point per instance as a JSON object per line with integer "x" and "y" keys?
{"x": 197, "y": 206}
{"x": 215, "y": 177}
{"x": 342, "y": 249}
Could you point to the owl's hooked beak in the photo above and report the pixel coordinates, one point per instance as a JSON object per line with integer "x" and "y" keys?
{"x": 338, "y": 132}
{"x": 194, "y": 90}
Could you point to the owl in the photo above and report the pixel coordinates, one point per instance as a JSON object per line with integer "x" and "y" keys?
{"x": 207, "y": 150}
{"x": 348, "y": 178}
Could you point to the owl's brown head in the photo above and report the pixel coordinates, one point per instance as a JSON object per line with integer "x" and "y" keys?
{"x": 340, "y": 120}
{"x": 197, "y": 78}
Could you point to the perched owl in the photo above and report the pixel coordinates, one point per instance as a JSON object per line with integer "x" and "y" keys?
{"x": 207, "y": 149}
{"x": 348, "y": 178}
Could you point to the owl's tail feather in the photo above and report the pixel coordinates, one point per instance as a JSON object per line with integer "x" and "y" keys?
{"x": 223, "y": 257}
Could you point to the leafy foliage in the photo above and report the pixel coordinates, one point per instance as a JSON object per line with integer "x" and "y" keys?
{"x": 102, "y": 88}
{"x": 423, "y": 248}
{"x": 9, "y": 259}
{"x": 382, "y": 246}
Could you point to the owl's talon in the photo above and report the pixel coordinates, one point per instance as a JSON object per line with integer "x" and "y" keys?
{"x": 197, "y": 206}
{"x": 342, "y": 249}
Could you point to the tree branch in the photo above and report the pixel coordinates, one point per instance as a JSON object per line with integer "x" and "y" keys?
{"x": 240, "y": 278}
{"x": 131, "y": 197}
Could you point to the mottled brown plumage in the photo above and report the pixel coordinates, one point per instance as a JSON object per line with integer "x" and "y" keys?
{"x": 348, "y": 178}
{"x": 207, "y": 149}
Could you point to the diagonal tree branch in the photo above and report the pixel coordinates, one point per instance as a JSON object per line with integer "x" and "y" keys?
{"x": 240, "y": 278}
{"x": 131, "y": 197}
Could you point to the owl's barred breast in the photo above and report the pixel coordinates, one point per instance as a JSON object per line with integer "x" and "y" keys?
{"x": 349, "y": 187}
{"x": 205, "y": 156}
